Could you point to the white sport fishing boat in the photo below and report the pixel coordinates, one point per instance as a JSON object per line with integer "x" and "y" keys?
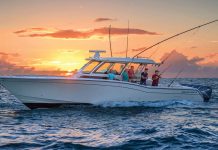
{"x": 90, "y": 85}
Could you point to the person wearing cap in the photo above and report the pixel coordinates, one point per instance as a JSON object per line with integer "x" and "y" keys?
{"x": 144, "y": 76}
{"x": 155, "y": 78}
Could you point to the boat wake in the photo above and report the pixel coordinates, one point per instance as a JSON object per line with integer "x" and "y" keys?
{"x": 155, "y": 104}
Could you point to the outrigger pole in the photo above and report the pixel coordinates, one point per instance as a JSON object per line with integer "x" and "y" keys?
{"x": 197, "y": 27}
{"x": 127, "y": 40}
{"x": 110, "y": 40}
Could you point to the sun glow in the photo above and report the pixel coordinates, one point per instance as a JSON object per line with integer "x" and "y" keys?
{"x": 63, "y": 60}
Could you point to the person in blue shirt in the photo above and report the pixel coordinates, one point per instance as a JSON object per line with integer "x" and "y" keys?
{"x": 125, "y": 76}
{"x": 111, "y": 75}
{"x": 144, "y": 76}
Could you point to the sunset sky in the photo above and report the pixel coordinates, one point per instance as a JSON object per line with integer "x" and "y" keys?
{"x": 55, "y": 35}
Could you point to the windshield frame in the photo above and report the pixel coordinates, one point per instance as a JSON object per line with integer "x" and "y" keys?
{"x": 93, "y": 68}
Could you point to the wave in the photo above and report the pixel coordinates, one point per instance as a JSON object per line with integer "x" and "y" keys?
{"x": 159, "y": 104}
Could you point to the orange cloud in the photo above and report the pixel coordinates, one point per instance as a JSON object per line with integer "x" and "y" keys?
{"x": 74, "y": 34}
{"x": 9, "y": 54}
{"x": 212, "y": 55}
{"x": 9, "y": 66}
{"x": 139, "y": 49}
{"x": 104, "y": 19}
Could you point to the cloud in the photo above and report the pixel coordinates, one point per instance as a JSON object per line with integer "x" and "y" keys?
{"x": 20, "y": 31}
{"x": 211, "y": 60}
{"x": 139, "y": 49}
{"x": 104, "y": 19}
{"x": 9, "y": 54}
{"x": 196, "y": 60}
{"x": 190, "y": 67}
{"x": 76, "y": 34}
{"x": 38, "y": 29}
{"x": 9, "y": 67}
{"x": 30, "y": 30}
{"x": 212, "y": 55}
{"x": 193, "y": 47}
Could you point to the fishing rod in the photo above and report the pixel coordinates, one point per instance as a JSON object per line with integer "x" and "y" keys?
{"x": 176, "y": 76}
{"x": 178, "y": 34}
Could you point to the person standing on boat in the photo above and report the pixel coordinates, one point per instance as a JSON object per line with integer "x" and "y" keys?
{"x": 155, "y": 78}
{"x": 125, "y": 76}
{"x": 131, "y": 74}
{"x": 144, "y": 76}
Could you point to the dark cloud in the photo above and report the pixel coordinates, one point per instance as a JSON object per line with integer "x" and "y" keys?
{"x": 196, "y": 59}
{"x": 104, "y": 19}
{"x": 74, "y": 34}
{"x": 64, "y": 34}
{"x": 30, "y": 30}
{"x": 193, "y": 47}
{"x": 20, "y": 31}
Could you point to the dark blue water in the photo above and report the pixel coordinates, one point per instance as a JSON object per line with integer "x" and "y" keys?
{"x": 130, "y": 125}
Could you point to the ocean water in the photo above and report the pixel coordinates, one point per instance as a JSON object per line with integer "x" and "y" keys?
{"x": 128, "y": 125}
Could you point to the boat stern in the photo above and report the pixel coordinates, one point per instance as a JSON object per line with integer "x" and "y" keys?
{"x": 205, "y": 91}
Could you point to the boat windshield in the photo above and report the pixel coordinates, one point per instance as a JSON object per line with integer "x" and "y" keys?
{"x": 90, "y": 66}
{"x": 118, "y": 67}
{"x": 104, "y": 68}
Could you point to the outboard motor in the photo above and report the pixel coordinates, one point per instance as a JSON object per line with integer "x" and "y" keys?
{"x": 206, "y": 91}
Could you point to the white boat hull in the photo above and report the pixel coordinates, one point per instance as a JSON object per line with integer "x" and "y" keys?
{"x": 57, "y": 90}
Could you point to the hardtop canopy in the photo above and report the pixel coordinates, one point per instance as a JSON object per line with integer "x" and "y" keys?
{"x": 124, "y": 60}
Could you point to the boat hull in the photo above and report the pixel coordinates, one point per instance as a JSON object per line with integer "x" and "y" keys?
{"x": 54, "y": 91}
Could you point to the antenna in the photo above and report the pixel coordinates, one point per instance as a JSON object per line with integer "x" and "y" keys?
{"x": 110, "y": 40}
{"x": 96, "y": 53}
{"x": 127, "y": 40}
